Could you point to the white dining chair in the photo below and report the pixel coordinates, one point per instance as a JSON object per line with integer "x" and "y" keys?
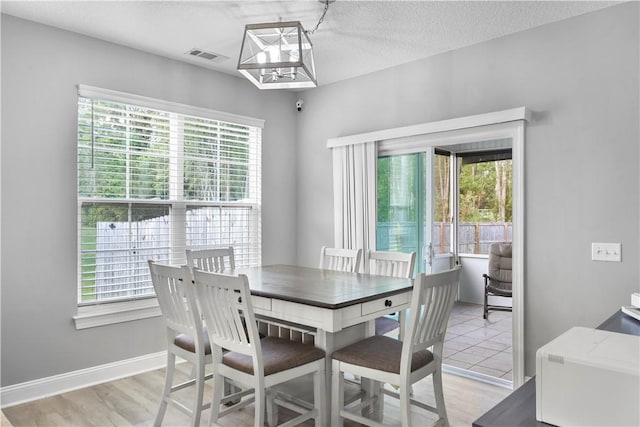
{"x": 395, "y": 264}
{"x": 214, "y": 260}
{"x": 339, "y": 259}
{"x": 251, "y": 362}
{"x": 186, "y": 338}
{"x": 402, "y": 363}
{"x": 218, "y": 260}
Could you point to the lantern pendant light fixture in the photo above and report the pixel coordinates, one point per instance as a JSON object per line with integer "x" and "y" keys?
{"x": 279, "y": 55}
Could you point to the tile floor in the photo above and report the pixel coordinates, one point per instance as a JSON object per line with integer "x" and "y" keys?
{"x": 479, "y": 345}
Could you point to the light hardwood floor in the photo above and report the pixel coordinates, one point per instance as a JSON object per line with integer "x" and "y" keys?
{"x": 133, "y": 401}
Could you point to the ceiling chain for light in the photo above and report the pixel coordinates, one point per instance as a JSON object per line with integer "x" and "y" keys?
{"x": 324, "y": 12}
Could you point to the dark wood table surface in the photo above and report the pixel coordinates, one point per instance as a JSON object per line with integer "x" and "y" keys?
{"x": 519, "y": 408}
{"x": 321, "y": 288}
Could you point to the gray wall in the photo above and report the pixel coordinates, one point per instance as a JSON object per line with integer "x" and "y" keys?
{"x": 41, "y": 67}
{"x": 580, "y": 77}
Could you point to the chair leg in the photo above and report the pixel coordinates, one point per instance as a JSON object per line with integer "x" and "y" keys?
{"x": 219, "y": 384}
{"x": 168, "y": 382}
{"x": 259, "y": 403}
{"x": 439, "y": 395}
{"x": 486, "y": 310}
{"x": 405, "y": 402}
{"x": 337, "y": 394}
{"x": 197, "y": 406}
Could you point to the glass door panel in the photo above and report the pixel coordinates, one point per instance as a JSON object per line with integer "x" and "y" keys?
{"x": 400, "y": 191}
{"x": 408, "y": 185}
{"x": 442, "y": 257}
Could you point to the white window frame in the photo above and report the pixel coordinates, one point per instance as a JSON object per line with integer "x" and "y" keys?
{"x": 94, "y": 315}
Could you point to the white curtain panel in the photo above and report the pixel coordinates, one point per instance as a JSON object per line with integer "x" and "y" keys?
{"x": 354, "y": 194}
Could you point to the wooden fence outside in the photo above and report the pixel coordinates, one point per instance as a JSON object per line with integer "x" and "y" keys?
{"x": 473, "y": 238}
{"x": 123, "y": 248}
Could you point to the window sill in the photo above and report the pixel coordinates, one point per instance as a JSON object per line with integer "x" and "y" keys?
{"x": 477, "y": 256}
{"x": 109, "y": 314}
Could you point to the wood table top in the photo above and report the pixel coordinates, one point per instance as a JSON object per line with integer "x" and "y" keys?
{"x": 321, "y": 288}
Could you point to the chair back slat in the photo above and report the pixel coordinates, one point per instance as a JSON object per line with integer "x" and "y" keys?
{"x": 396, "y": 264}
{"x": 225, "y": 302}
{"x": 431, "y": 305}
{"x": 338, "y": 259}
{"x": 176, "y": 297}
{"x": 213, "y": 260}
{"x": 435, "y": 321}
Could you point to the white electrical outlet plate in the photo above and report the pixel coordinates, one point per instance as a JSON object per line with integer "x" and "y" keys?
{"x": 606, "y": 252}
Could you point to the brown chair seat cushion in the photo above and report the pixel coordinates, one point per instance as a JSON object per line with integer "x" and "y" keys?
{"x": 277, "y": 355}
{"x": 380, "y": 353}
{"x": 384, "y": 325}
{"x": 188, "y": 343}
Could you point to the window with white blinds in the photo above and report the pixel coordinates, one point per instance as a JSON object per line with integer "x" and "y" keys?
{"x": 156, "y": 178}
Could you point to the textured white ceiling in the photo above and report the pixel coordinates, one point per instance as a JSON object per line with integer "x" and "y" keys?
{"x": 356, "y": 37}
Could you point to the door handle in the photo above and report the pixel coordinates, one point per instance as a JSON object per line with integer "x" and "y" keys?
{"x": 428, "y": 253}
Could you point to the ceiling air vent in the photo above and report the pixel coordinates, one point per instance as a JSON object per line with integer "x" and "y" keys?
{"x": 209, "y": 56}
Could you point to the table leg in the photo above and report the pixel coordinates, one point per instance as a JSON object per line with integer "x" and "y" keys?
{"x": 331, "y": 341}
{"x": 402, "y": 318}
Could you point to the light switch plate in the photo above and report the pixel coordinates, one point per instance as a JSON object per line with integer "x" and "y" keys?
{"x": 606, "y": 252}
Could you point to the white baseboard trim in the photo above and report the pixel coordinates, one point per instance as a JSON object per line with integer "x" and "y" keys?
{"x": 51, "y": 386}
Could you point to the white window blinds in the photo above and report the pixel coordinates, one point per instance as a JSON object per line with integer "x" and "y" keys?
{"x": 154, "y": 181}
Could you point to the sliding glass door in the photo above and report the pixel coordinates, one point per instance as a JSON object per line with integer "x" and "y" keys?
{"x": 401, "y": 224}
{"x": 413, "y": 208}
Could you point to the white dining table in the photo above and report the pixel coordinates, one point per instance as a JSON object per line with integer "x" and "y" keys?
{"x": 340, "y": 307}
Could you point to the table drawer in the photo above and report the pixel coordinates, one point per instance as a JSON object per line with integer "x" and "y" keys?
{"x": 261, "y": 302}
{"x": 384, "y": 304}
